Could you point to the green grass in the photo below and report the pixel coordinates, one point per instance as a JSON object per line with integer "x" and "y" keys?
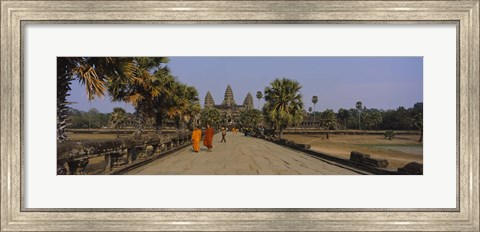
{"x": 407, "y": 148}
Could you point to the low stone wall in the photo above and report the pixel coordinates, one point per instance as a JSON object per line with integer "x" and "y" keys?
{"x": 344, "y": 132}
{"x": 364, "y": 159}
{"x": 116, "y": 131}
{"x": 412, "y": 168}
{"x": 74, "y": 156}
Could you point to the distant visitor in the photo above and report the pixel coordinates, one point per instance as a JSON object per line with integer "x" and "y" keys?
{"x": 224, "y": 133}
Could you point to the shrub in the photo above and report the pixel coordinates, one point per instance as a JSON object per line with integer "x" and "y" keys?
{"x": 389, "y": 134}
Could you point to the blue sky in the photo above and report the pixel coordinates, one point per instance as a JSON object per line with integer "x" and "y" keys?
{"x": 339, "y": 82}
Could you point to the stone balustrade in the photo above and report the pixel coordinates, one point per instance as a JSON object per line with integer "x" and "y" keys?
{"x": 74, "y": 156}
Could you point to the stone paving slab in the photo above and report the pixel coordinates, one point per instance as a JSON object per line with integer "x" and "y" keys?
{"x": 241, "y": 155}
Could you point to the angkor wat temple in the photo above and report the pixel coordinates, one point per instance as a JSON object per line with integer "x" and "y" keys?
{"x": 229, "y": 110}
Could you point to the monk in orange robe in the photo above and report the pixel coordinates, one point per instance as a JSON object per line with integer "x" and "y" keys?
{"x": 196, "y": 137}
{"x": 208, "y": 140}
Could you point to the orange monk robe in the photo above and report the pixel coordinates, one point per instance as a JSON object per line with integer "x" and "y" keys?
{"x": 196, "y": 136}
{"x": 208, "y": 140}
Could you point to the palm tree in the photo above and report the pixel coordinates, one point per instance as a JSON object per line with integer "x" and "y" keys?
{"x": 193, "y": 108}
{"x": 329, "y": 121}
{"x": 358, "y": 105}
{"x": 147, "y": 80}
{"x": 259, "y": 96}
{"x": 118, "y": 118}
{"x": 94, "y": 73}
{"x": 150, "y": 90}
{"x": 184, "y": 104}
{"x": 284, "y": 106}
{"x": 314, "y": 101}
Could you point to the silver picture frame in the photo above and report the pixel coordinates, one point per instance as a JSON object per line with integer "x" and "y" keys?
{"x": 16, "y": 14}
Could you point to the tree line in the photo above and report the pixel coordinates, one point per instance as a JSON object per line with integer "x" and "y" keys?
{"x": 85, "y": 120}
{"x": 284, "y": 108}
{"x": 364, "y": 118}
{"x": 94, "y": 119}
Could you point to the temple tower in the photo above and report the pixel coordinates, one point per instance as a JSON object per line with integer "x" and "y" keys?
{"x": 248, "y": 102}
{"x": 209, "y": 100}
{"x": 228, "y": 100}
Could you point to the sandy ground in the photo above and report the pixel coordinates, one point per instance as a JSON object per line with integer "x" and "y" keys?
{"x": 401, "y": 150}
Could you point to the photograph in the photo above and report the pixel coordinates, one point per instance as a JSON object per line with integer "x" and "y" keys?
{"x": 240, "y": 115}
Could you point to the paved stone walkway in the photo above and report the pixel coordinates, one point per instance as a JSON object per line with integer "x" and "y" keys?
{"x": 241, "y": 155}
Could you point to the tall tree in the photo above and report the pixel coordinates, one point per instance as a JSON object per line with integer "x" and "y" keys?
{"x": 92, "y": 72}
{"x": 418, "y": 118}
{"x": 314, "y": 101}
{"x": 404, "y": 118}
{"x": 371, "y": 118}
{"x": 150, "y": 91}
{"x": 418, "y": 123}
{"x": 343, "y": 115}
{"x": 284, "y": 106}
{"x": 418, "y": 108}
{"x": 210, "y": 116}
{"x": 165, "y": 104}
{"x": 259, "y": 96}
{"x": 193, "y": 105}
{"x": 192, "y": 113}
{"x": 117, "y": 119}
{"x": 329, "y": 121}
{"x": 184, "y": 105}
{"x": 359, "y": 107}
{"x": 156, "y": 94}
{"x": 250, "y": 118}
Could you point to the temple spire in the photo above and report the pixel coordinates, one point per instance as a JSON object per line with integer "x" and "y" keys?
{"x": 248, "y": 102}
{"x": 209, "y": 100}
{"x": 228, "y": 99}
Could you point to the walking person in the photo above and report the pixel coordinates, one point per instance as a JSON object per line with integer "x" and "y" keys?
{"x": 208, "y": 140}
{"x": 224, "y": 133}
{"x": 196, "y": 136}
